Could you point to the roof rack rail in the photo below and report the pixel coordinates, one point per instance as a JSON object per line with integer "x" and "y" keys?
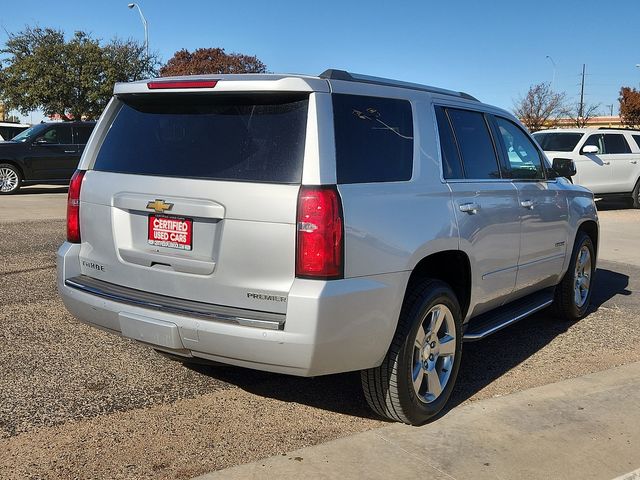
{"x": 619, "y": 128}
{"x": 333, "y": 74}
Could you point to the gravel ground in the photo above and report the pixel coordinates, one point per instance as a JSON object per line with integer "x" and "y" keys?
{"x": 79, "y": 403}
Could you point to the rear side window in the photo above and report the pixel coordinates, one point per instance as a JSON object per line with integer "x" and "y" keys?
{"x": 82, "y": 133}
{"x": 257, "y": 138}
{"x": 472, "y": 133}
{"x": 637, "y": 140}
{"x": 374, "y": 139}
{"x": 451, "y": 164}
{"x": 615, "y": 143}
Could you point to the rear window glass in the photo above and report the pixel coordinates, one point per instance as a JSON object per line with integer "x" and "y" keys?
{"x": 257, "y": 138}
{"x": 558, "y": 142}
{"x": 374, "y": 139}
{"x": 615, "y": 143}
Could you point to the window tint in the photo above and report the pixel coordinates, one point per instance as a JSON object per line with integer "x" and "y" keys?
{"x": 82, "y": 133}
{"x": 474, "y": 140}
{"x": 451, "y": 165}
{"x": 558, "y": 142}
{"x": 595, "y": 140}
{"x": 244, "y": 138}
{"x": 58, "y": 134}
{"x": 637, "y": 139}
{"x": 374, "y": 139}
{"x": 522, "y": 155}
{"x": 615, "y": 143}
{"x": 9, "y": 132}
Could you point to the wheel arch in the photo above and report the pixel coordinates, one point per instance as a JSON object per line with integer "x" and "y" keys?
{"x": 16, "y": 165}
{"x": 450, "y": 266}
{"x": 590, "y": 227}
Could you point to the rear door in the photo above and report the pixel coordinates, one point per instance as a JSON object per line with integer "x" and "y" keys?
{"x": 194, "y": 196}
{"x": 53, "y": 154}
{"x": 542, "y": 207}
{"x": 487, "y": 208}
{"x": 622, "y": 161}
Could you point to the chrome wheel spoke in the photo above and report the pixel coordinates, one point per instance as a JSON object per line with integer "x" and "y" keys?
{"x": 417, "y": 377}
{"x": 447, "y": 346}
{"x": 436, "y": 320}
{"x": 433, "y": 383}
{"x": 420, "y": 336}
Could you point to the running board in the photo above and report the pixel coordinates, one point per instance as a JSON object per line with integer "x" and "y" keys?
{"x": 484, "y": 325}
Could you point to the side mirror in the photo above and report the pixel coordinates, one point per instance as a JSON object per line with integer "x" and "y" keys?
{"x": 590, "y": 149}
{"x": 564, "y": 167}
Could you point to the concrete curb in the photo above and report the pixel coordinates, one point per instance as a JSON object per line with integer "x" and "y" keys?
{"x": 564, "y": 430}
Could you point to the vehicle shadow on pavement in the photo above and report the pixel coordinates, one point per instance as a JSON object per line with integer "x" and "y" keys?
{"x": 482, "y": 362}
{"x": 39, "y": 190}
{"x": 486, "y": 360}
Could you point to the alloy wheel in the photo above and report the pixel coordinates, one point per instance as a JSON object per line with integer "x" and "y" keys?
{"x": 8, "y": 180}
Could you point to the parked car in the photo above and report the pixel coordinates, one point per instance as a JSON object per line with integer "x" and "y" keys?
{"x": 316, "y": 225}
{"x": 607, "y": 160}
{"x": 8, "y": 130}
{"x": 44, "y": 153}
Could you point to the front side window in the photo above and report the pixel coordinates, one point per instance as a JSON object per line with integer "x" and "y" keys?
{"x": 472, "y": 133}
{"x": 374, "y": 139}
{"x": 597, "y": 141}
{"x": 522, "y": 155}
{"x": 56, "y": 135}
{"x": 615, "y": 143}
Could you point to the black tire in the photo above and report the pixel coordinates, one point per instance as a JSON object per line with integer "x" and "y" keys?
{"x": 565, "y": 304}
{"x": 389, "y": 388}
{"x": 635, "y": 196}
{"x": 11, "y": 176}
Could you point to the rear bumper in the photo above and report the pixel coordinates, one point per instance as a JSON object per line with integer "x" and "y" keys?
{"x": 330, "y": 327}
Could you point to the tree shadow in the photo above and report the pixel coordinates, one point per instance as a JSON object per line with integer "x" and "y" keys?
{"x": 482, "y": 362}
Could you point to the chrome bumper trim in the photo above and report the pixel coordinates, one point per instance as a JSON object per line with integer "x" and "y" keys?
{"x": 191, "y": 308}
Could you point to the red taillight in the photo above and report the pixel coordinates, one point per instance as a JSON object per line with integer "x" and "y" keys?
{"x": 73, "y": 207}
{"x": 182, "y": 84}
{"x": 320, "y": 246}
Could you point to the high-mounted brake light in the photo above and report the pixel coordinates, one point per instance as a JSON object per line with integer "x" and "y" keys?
{"x": 181, "y": 84}
{"x": 319, "y": 249}
{"x": 73, "y": 207}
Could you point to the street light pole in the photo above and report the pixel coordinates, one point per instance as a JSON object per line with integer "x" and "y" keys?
{"x": 553, "y": 78}
{"x": 144, "y": 23}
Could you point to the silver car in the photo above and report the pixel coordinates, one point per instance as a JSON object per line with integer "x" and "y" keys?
{"x": 315, "y": 225}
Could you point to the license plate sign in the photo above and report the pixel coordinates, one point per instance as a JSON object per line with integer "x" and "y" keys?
{"x": 170, "y": 232}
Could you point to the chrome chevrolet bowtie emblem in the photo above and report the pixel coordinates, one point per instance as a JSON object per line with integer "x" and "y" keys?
{"x": 159, "y": 206}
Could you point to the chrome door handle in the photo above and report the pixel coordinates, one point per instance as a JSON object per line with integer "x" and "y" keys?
{"x": 607, "y": 163}
{"x": 470, "y": 208}
{"x": 634, "y": 161}
{"x": 527, "y": 204}
{"x": 69, "y": 151}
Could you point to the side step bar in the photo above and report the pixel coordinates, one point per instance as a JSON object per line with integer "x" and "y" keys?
{"x": 484, "y": 325}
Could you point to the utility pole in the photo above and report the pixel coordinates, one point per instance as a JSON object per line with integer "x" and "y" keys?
{"x": 581, "y": 109}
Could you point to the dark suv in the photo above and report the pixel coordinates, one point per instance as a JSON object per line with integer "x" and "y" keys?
{"x": 44, "y": 153}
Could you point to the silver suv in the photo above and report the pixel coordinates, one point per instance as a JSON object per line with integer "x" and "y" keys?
{"x": 315, "y": 225}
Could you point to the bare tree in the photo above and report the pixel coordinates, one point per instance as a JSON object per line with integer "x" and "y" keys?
{"x": 580, "y": 114}
{"x": 540, "y": 107}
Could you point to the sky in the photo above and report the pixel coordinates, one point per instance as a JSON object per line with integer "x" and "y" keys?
{"x": 494, "y": 50}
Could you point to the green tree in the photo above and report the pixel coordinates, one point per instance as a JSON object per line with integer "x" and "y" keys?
{"x": 630, "y": 107}
{"x": 74, "y": 78}
{"x": 210, "y": 61}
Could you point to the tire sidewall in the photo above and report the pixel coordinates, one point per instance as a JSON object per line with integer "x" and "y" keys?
{"x": 582, "y": 240}
{"x": 417, "y": 411}
{"x": 12, "y": 167}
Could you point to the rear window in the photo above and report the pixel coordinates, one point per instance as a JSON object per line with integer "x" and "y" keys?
{"x": 374, "y": 139}
{"x": 558, "y": 142}
{"x": 254, "y": 138}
